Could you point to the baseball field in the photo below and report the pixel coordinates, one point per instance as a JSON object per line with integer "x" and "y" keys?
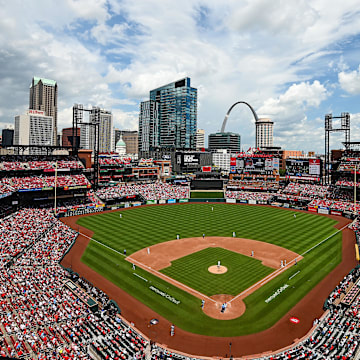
{"x": 313, "y": 239}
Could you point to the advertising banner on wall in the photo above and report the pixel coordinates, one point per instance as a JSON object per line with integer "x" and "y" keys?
{"x": 323, "y": 211}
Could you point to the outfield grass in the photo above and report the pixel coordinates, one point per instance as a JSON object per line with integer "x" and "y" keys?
{"x": 145, "y": 226}
{"x": 242, "y": 271}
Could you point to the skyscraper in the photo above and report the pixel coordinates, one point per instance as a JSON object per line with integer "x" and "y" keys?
{"x": 34, "y": 128}
{"x": 264, "y": 133}
{"x": 43, "y": 97}
{"x": 105, "y": 128}
{"x": 169, "y": 118}
{"x": 200, "y": 139}
{"x": 148, "y": 126}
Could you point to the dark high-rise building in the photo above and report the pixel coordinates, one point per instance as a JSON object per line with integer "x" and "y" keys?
{"x": 7, "y": 137}
{"x": 43, "y": 97}
{"x": 169, "y": 118}
{"x": 225, "y": 140}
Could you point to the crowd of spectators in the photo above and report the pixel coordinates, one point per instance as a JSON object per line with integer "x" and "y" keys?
{"x": 347, "y": 184}
{"x": 337, "y": 333}
{"x": 37, "y": 182}
{"x": 348, "y": 163}
{"x": 248, "y": 195}
{"x": 40, "y": 318}
{"x": 308, "y": 191}
{"x": 17, "y": 232}
{"x": 335, "y": 205}
{"x": 107, "y": 161}
{"x": 253, "y": 184}
{"x": 38, "y": 162}
{"x": 154, "y": 191}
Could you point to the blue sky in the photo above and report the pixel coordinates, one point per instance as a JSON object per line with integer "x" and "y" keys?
{"x": 293, "y": 61}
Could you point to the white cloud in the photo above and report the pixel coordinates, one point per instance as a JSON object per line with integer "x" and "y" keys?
{"x": 292, "y": 128}
{"x": 298, "y": 96}
{"x": 126, "y": 120}
{"x": 110, "y": 53}
{"x": 350, "y": 81}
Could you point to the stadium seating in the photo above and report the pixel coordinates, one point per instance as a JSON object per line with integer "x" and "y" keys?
{"x": 37, "y": 182}
{"x": 247, "y": 195}
{"x": 41, "y": 318}
{"x": 155, "y": 191}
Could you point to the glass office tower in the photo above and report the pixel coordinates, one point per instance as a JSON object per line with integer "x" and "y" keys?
{"x": 176, "y": 116}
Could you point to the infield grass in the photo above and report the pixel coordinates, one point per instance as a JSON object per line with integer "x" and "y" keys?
{"x": 242, "y": 271}
{"x": 145, "y": 226}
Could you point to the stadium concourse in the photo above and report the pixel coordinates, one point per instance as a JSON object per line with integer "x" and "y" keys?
{"x": 50, "y": 312}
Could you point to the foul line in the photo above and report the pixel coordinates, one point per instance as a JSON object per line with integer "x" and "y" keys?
{"x": 264, "y": 280}
{"x": 160, "y": 275}
{"x": 276, "y": 272}
{"x": 336, "y": 232}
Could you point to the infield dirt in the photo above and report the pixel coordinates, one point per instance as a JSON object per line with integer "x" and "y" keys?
{"x": 282, "y": 334}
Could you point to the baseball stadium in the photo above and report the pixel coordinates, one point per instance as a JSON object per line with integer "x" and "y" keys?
{"x": 257, "y": 268}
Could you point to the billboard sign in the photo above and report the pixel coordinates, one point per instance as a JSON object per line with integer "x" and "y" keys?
{"x": 314, "y": 167}
{"x": 189, "y": 160}
{"x": 254, "y": 165}
{"x": 303, "y": 167}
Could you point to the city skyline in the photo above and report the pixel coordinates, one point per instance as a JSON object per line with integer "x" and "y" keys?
{"x": 292, "y": 61}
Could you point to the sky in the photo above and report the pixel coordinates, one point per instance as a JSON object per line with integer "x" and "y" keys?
{"x": 292, "y": 60}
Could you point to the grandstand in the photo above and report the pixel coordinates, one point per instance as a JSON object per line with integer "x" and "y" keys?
{"x": 48, "y": 312}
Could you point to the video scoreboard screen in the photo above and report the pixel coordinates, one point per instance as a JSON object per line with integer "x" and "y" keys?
{"x": 303, "y": 167}
{"x": 254, "y": 165}
{"x": 188, "y": 160}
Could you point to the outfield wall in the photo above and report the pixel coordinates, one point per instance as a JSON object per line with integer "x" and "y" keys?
{"x": 315, "y": 209}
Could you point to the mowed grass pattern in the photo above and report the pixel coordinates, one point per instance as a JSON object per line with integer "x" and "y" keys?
{"x": 192, "y": 270}
{"x": 145, "y": 226}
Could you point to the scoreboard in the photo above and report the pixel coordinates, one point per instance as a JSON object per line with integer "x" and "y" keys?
{"x": 303, "y": 167}
{"x": 245, "y": 164}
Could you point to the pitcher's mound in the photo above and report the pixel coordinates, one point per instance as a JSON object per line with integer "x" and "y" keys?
{"x": 214, "y": 269}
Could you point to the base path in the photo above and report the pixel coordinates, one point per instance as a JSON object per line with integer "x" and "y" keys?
{"x": 283, "y": 333}
{"x": 160, "y": 256}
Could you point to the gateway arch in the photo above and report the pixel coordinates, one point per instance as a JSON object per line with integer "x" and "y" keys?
{"x": 229, "y": 111}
